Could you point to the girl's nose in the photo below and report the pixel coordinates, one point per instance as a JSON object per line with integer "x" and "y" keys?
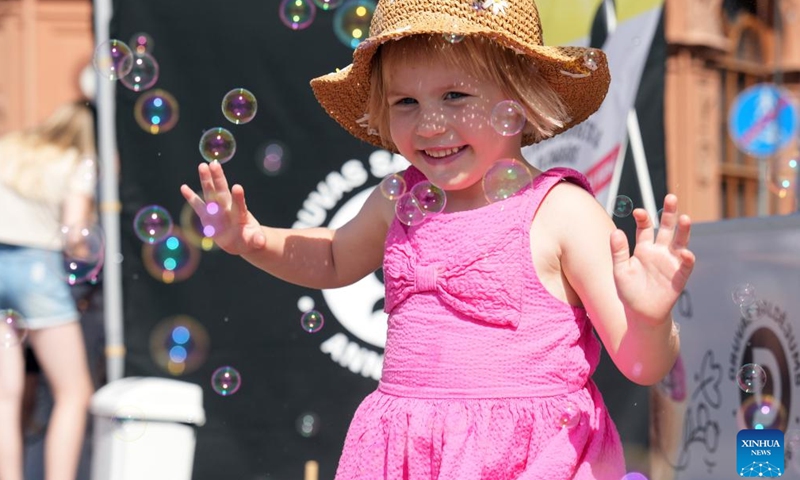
{"x": 432, "y": 124}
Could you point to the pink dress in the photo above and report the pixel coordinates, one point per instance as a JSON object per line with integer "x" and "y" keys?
{"x": 486, "y": 375}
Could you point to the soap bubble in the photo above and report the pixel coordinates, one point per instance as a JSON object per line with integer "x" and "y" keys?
{"x": 226, "y": 381}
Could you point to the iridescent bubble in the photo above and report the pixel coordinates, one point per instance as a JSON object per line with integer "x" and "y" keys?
{"x": 239, "y": 106}
{"x": 452, "y": 37}
{"x": 351, "y": 21}
{"x": 393, "y": 186}
{"x": 744, "y": 295}
{"x": 156, "y": 111}
{"x": 13, "y": 328}
{"x": 217, "y": 144}
{"x": 179, "y": 344}
{"x": 226, "y": 381}
{"x": 762, "y": 411}
{"x": 172, "y": 260}
{"x": 782, "y": 175}
{"x": 113, "y": 59}
{"x": 506, "y": 178}
{"x": 508, "y": 118}
{"x": 272, "y": 158}
{"x": 751, "y": 377}
{"x": 193, "y": 229}
{"x": 142, "y": 43}
{"x": 312, "y": 321}
{"x": 152, "y": 224}
{"x": 570, "y": 415}
{"x": 297, "y": 14}
{"x": 308, "y": 424}
{"x": 143, "y": 74}
{"x": 129, "y": 423}
{"x": 83, "y": 253}
{"x": 591, "y": 59}
{"x": 623, "y": 206}
{"x": 634, "y": 476}
{"x": 430, "y": 198}
{"x": 408, "y": 210}
{"x": 328, "y": 4}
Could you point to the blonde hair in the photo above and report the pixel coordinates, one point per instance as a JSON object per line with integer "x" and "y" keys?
{"x": 67, "y": 135}
{"x": 515, "y": 74}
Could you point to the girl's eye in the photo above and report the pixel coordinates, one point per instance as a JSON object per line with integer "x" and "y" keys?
{"x": 405, "y": 101}
{"x": 454, "y": 95}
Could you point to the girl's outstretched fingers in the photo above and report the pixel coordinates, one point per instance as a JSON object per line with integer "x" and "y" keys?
{"x": 620, "y": 252}
{"x": 669, "y": 219}
{"x": 193, "y": 199}
{"x": 683, "y": 232}
{"x": 206, "y": 183}
{"x": 239, "y": 203}
{"x": 644, "y": 226}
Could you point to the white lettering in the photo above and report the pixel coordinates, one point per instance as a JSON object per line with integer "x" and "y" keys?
{"x": 384, "y": 162}
{"x": 761, "y": 443}
{"x": 354, "y": 357}
{"x": 328, "y": 193}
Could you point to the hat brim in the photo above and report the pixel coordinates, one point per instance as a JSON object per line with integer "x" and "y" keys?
{"x": 344, "y": 93}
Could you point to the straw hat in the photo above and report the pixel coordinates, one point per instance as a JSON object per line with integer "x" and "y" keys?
{"x": 578, "y": 75}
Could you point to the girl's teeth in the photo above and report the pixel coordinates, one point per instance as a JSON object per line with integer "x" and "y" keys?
{"x": 441, "y": 153}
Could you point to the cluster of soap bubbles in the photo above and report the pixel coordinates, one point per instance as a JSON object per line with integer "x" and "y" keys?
{"x": 414, "y": 206}
{"x": 351, "y": 18}
{"x": 217, "y": 144}
{"x": 751, "y": 377}
{"x": 135, "y": 68}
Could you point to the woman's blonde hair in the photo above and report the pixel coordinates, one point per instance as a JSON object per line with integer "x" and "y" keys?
{"x": 67, "y": 135}
{"x": 515, "y": 74}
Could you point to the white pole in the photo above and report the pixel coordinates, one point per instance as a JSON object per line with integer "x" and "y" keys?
{"x": 634, "y": 134}
{"x": 109, "y": 206}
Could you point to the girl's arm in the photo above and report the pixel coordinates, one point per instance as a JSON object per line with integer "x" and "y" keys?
{"x": 629, "y": 299}
{"x": 312, "y": 257}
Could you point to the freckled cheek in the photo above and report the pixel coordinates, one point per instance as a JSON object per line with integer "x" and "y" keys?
{"x": 473, "y": 118}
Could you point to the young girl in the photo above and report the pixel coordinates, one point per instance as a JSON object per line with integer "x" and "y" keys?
{"x": 490, "y": 347}
{"x": 44, "y": 184}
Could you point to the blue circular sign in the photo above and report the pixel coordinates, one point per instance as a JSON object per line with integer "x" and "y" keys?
{"x": 763, "y": 119}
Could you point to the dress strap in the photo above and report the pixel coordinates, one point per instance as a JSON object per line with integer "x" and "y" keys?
{"x": 412, "y": 176}
{"x": 549, "y": 179}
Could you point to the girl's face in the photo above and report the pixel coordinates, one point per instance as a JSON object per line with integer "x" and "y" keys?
{"x": 440, "y": 120}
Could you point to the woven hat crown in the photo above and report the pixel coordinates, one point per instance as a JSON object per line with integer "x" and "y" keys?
{"x": 518, "y": 19}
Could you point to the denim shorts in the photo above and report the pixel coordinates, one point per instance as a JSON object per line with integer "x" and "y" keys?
{"x": 32, "y": 282}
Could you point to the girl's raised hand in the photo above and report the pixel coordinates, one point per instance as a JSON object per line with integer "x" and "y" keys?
{"x": 235, "y": 229}
{"x": 650, "y": 282}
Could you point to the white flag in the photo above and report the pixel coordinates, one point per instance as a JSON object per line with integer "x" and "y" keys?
{"x": 592, "y": 147}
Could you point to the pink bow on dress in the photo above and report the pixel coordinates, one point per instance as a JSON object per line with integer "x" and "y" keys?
{"x": 468, "y": 286}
